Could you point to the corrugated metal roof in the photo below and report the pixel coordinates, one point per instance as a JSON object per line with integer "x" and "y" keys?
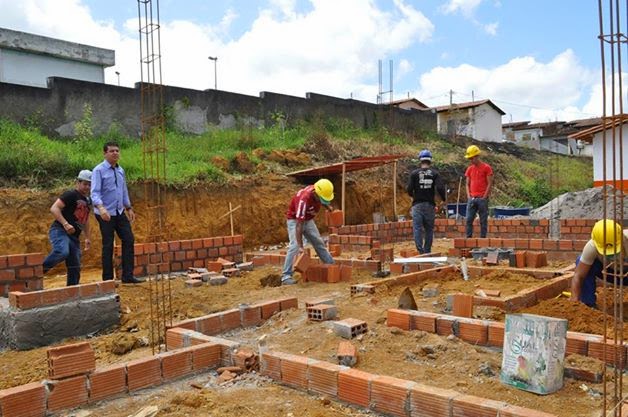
{"x": 356, "y": 164}
{"x": 468, "y": 105}
{"x": 587, "y": 134}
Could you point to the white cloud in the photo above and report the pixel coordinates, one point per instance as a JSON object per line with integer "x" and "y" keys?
{"x": 466, "y": 7}
{"x": 405, "y": 67}
{"x": 491, "y": 28}
{"x": 282, "y": 51}
{"x": 522, "y": 87}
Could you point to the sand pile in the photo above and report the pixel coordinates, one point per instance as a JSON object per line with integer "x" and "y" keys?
{"x": 586, "y": 204}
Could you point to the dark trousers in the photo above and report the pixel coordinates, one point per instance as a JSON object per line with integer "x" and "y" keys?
{"x": 477, "y": 206}
{"x": 423, "y": 216}
{"x": 66, "y": 248}
{"x": 122, "y": 227}
{"x": 587, "y": 293}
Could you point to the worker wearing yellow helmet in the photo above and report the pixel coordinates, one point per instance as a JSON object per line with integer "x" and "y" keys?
{"x": 300, "y": 222}
{"x": 479, "y": 183}
{"x": 608, "y": 240}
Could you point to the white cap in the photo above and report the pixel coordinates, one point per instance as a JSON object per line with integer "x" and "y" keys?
{"x": 85, "y": 175}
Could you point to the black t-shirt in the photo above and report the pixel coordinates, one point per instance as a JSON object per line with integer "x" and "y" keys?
{"x": 423, "y": 184}
{"x": 76, "y": 210}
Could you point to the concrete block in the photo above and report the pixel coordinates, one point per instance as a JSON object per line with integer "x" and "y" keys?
{"x": 350, "y": 328}
{"x": 23, "y": 329}
{"x": 321, "y": 312}
{"x": 218, "y": 280}
{"x": 347, "y": 353}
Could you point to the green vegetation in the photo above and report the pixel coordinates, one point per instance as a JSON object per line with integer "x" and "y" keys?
{"x": 523, "y": 177}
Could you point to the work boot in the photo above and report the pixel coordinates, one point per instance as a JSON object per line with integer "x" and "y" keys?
{"x": 131, "y": 280}
{"x": 288, "y": 281}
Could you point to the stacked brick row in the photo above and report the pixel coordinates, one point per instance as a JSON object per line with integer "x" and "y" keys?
{"x": 34, "y": 299}
{"x": 382, "y": 394}
{"x": 449, "y": 228}
{"x": 245, "y": 316}
{"x": 21, "y": 272}
{"x": 261, "y": 259}
{"x": 352, "y": 242}
{"x": 565, "y": 249}
{"x": 179, "y": 255}
{"x": 42, "y": 398}
{"x": 491, "y": 333}
{"x": 579, "y": 229}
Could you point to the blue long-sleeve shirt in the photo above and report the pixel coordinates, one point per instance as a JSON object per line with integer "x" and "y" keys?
{"x": 109, "y": 188}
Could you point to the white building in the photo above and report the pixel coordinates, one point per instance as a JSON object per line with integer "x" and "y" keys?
{"x": 30, "y": 59}
{"x": 480, "y": 120}
{"x": 610, "y": 138}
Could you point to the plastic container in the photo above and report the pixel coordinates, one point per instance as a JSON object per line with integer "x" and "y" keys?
{"x": 461, "y": 207}
{"x": 501, "y": 212}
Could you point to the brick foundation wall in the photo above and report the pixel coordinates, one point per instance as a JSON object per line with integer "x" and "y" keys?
{"x": 21, "y": 272}
{"x": 352, "y": 242}
{"x": 449, "y": 228}
{"x": 259, "y": 259}
{"x": 33, "y": 299}
{"x": 577, "y": 229}
{"x": 179, "y": 255}
{"x": 564, "y": 249}
{"x": 491, "y": 333}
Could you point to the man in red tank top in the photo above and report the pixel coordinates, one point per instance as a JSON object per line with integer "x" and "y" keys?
{"x": 479, "y": 183}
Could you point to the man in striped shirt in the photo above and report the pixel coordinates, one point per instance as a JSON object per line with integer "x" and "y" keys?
{"x": 300, "y": 221}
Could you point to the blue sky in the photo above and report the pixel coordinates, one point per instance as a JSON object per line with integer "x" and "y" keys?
{"x": 537, "y": 60}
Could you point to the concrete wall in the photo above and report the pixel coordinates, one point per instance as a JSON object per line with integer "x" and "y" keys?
{"x": 59, "y": 106}
{"x": 30, "y": 69}
{"x": 488, "y": 124}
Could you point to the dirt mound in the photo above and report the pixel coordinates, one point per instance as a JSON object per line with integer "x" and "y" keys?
{"x": 581, "y": 318}
{"x": 585, "y": 204}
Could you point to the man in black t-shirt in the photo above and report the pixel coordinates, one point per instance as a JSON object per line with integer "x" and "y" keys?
{"x": 71, "y": 212}
{"x": 424, "y": 182}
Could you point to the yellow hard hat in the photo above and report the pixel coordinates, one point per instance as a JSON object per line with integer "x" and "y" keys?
{"x": 614, "y": 235}
{"x": 472, "y": 151}
{"x": 324, "y": 189}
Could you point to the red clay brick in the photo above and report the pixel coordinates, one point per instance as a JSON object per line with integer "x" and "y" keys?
{"x": 334, "y": 218}
{"x": 209, "y": 324}
{"x": 294, "y": 370}
{"x": 107, "y": 382}
{"x": 25, "y": 300}
{"x": 472, "y": 406}
{"x": 608, "y": 352}
{"x": 496, "y": 334}
{"x": 142, "y": 373}
{"x": 88, "y": 290}
{"x": 426, "y": 401}
{"x": 176, "y": 364}
{"x": 516, "y": 411}
{"x": 288, "y": 303}
{"x": 69, "y": 360}
{"x": 473, "y": 331}
{"x": 27, "y": 400}
{"x": 398, "y": 318}
{"x": 67, "y": 393}
{"x": 206, "y": 355}
{"x": 323, "y": 378}
{"x": 16, "y": 260}
{"x": 463, "y": 305}
{"x": 423, "y": 320}
{"x": 389, "y": 395}
{"x": 33, "y": 259}
{"x": 230, "y": 319}
{"x": 354, "y": 387}
{"x": 251, "y": 316}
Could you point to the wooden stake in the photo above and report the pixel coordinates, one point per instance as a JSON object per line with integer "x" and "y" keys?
{"x": 395, "y": 190}
{"x": 231, "y": 218}
{"x": 344, "y": 174}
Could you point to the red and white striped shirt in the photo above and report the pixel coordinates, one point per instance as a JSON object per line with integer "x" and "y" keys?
{"x": 304, "y": 205}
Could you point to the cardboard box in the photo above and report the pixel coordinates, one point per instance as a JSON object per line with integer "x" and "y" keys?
{"x": 534, "y": 353}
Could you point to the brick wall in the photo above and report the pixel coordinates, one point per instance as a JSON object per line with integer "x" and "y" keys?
{"x": 565, "y": 249}
{"x": 578, "y": 229}
{"x": 179, "y": 255}
{"x": 450, "y": 228}
{"x": 21, "y": 272}
{"x": 352, "y": 242}
{"x": 26, "y": 300}
{"x": 491, "y": 333}
{"x": 260, "y": 258}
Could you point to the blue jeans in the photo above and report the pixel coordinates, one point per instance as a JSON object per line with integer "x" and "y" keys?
{"x": 122, "y": 227}
{"x": 479, "y": 206}
{"x": 423, "y": 216}
{"x": 310, "y": 231}
{"x": 66, "y": 248}
{"x": 587, "y": 292}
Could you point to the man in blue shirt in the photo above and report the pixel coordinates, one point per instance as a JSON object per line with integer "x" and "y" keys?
{"x": 114, "y": 213}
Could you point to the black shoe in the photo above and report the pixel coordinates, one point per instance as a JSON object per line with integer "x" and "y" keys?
{"x": 131, "y": 280}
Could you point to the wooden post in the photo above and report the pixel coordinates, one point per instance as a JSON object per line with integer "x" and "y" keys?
{"x": 344, "y": 173}
{"x": 231, "y": 218}
{"x": 395, "y": 190}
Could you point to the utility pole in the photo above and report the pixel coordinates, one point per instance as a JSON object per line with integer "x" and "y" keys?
{"x": 215, "y": 59}
{"x": 118, "y": 74}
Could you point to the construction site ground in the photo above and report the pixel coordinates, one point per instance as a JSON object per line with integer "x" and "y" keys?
{"x": 445, "y": 362}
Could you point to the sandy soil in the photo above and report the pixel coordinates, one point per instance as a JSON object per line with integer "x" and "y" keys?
{"x": 417, "y": 356}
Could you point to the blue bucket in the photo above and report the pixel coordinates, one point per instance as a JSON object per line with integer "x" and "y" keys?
{"x": 462, "y": 209}
{"x": 501, "y": 212}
